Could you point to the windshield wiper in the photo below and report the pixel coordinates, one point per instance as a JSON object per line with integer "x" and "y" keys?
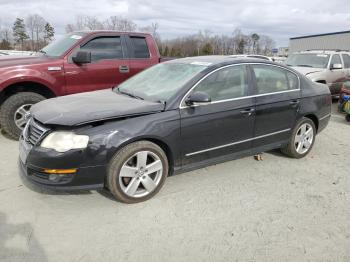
{"x": 42, "y": 51}
{"x": 129, "y": 94}
{"x": 305, "y": 65}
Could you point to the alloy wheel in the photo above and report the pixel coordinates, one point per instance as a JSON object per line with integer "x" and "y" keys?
{"x": 304, "y": 138}
{"x": 141, "y": 174}
{"x": 20, "y": 116}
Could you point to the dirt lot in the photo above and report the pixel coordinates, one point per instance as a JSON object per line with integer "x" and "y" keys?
{"x": 278, "y": 209}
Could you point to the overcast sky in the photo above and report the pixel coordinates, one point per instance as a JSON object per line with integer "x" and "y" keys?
{"x": 279, "y": 19}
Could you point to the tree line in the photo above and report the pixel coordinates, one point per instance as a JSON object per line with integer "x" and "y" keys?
{"x": 34, "y": 32}
{"x": 205, "y": 42}
{"x": 30, "y": 34}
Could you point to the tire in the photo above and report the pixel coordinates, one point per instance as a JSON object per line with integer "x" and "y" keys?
{"x": 122, "y": 184}
{"x": 291, "y": 149}
{"x": 347, "y": 117}
{"x": 9, "y": 108}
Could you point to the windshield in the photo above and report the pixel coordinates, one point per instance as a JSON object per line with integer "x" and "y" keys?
{"x": 60, "y": 46}
{"x": 161, "y": 81}
{"x": 308, "y": 60}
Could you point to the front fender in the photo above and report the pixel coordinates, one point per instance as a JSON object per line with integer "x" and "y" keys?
{"x": 19, "y": 75}
{"x": 162, "y": 128}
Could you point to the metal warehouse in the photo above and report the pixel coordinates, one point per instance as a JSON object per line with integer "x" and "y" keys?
{"x": 330, "y": 41}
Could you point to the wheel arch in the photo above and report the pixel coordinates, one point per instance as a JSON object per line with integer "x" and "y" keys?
{"x": 26, "y": 86}
{"x": 314, "y": 119}
{"x": 156, "y": 140}
{"x": 321, "y": 81}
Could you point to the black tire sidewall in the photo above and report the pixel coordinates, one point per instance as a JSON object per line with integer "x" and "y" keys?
{"x": 119, "y": 159}
{"x": 10, "y": 106}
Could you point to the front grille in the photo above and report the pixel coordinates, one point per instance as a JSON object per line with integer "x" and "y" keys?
{"x": 34, "y": 132}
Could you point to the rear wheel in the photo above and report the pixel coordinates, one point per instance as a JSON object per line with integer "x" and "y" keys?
{"x": 302, "y": 139}
{"x": 137, "y": 172}
{"x": 14, "y": 112}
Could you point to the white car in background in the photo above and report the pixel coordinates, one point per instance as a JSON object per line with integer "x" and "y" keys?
{"x": 253, "y": 56}
{"x": 323, "y": 66}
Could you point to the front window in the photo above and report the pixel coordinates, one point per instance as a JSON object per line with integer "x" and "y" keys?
{"x": 60, "y": 46}
{"x": 227, "y": 83}
{"x": 308, "y": 60}
{"x": 161, "y": 81}
{"x": 105, "y": 47}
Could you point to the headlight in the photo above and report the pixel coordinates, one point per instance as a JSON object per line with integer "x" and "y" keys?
{"x": 65, "y": 141}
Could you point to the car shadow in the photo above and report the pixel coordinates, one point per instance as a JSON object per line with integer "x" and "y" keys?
{"x": 10, "y": 231}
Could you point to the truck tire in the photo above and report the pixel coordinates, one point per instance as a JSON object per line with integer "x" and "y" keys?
{"x": 13, "y": 110}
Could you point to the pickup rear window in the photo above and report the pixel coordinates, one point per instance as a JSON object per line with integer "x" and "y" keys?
{"x": 104, "y": 48}
{"x": 140, "y": 47}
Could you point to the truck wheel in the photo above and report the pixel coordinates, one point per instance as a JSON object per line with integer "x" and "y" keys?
{"x": 137, "y": 172}
{"x": 13, "y": 111}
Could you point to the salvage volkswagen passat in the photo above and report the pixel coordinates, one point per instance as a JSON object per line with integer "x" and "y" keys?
{"x": 173, "y": 117}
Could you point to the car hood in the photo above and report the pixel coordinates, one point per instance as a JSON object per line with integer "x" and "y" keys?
{"x": 90, "y": 107}
{"x": 307, "y": 70}
{"x": 14, "y": 60}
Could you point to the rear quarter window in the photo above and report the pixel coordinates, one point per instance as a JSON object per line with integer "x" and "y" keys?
{"x": 140, "y": 47}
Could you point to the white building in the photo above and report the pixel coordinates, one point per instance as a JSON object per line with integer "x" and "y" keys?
{"x": 330, "y": 41}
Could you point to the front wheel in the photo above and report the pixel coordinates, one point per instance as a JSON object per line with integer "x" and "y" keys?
{"x": 14, "y": 111}
{"x": 137, "y": 172}
{"x": 301, "y": 140}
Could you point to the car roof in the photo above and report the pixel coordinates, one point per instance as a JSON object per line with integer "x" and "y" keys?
{"x": 326, "y": 52}
{"x": 92, "y": 32}
{"x": 212, "y": 60}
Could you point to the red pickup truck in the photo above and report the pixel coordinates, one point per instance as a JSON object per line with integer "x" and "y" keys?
{"x": 79, "y": 62}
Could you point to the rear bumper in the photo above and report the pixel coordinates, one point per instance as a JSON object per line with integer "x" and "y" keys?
{"x": 82, "y": 180}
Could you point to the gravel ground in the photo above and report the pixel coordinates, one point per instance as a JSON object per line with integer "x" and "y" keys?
{"x": 278, "y": 209}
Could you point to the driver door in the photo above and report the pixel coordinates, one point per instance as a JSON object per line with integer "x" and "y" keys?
{"x": 108, "y": 67}
{"x": 224, "y": 126}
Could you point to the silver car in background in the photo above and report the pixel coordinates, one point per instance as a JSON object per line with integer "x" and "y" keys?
{"x": 322, "y": 66}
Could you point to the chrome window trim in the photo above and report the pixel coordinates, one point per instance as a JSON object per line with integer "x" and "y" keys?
{"x": 183, "y": 105}
{"x": 237, "y": 142}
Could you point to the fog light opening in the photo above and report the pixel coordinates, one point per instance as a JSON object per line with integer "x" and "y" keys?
{"x": 54, "y": 177}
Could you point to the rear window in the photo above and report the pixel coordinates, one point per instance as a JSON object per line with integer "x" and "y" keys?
{"x": 346, "y": 59}
{"x": 140, "y": 47}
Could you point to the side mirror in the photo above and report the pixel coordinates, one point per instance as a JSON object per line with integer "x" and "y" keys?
{"x": 198, "y": 98}
{"x": 82, "y": 57}
{"x": 336, "y": 66}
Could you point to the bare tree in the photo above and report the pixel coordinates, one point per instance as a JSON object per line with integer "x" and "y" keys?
{"x": 92, "y": 23}
{"x": 120, "y": 24}
{"x": 35, "y": 25}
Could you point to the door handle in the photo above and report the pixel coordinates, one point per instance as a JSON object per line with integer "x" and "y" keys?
{"x": 294, "y": 103}
{"x": 248, "y": 111}
{"x": 123, "y": 69}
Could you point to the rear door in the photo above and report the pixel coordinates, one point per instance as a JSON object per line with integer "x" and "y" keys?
{"x": 346, "y": 60}
{"x": 108, "y": 66}
{"x": 224, "y": 126}
{"x": 277, "y": 103}
{"x": 141, "y": 53}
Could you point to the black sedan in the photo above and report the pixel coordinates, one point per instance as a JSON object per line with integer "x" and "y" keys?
{"x": 174, "y": 117}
